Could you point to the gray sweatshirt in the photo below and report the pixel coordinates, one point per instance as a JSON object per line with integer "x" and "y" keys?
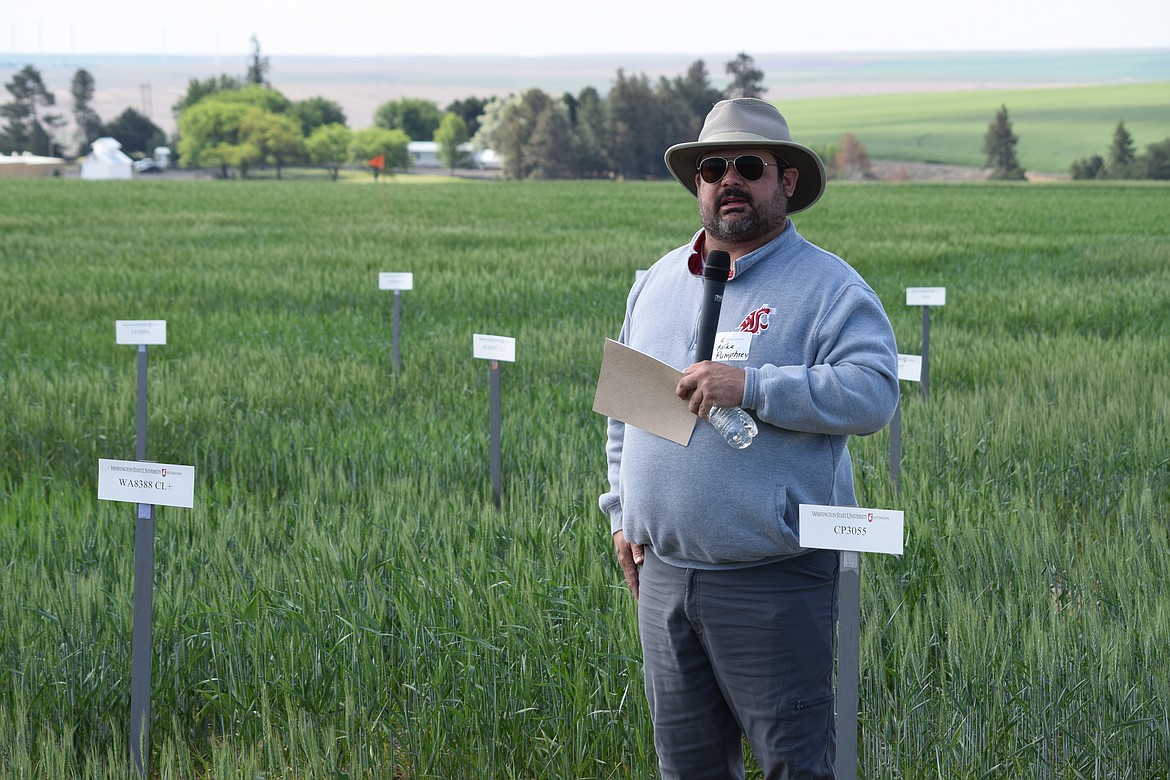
{"x": 821, "y": 365}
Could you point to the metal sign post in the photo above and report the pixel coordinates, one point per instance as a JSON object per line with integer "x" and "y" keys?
{"x": 896, "y": 449}
{"x": 848, "y": 663}
{"x": 852, "y": 531}
{"x": 926, "y": 297}
{"x": 141, "y": 333}
{"x": 494, "y": 349}
{"x": 494, "y": 427}
{"x": 396, "y": 282}
{"x": 910, "y": 369}
{"x": 140, "y": 663}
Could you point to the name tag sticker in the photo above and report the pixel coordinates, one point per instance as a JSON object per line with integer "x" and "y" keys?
{"x": 142, "y": 482}
{"x": 851, "y": 528}
{"x": 732, "y": 346}
{"x": 493, "y": 347}
{"x": 139, "y": 332}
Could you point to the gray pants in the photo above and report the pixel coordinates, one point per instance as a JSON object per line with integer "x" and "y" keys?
{"x": 741, "y": 652}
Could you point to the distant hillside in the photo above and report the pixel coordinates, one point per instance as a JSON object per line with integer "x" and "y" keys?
{"x": 1055, "y": 125}
{"x": 153, "y": 84}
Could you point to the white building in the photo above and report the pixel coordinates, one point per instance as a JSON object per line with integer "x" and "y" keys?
{"x": 107, "y": 161}
{"x": 425, "y": 154}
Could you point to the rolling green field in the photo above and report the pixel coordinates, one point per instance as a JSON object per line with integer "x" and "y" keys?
{"x": 1055, "y": 125}
{"x": 344, "y": 600}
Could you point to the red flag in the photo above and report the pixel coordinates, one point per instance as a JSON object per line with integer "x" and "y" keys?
{"x": 378, "y": 162}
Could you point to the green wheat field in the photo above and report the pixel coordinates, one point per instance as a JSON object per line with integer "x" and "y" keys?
{"x": 345, "y": 600}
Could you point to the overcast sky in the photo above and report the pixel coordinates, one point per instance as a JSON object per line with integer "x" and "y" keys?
{"x": 541, "y": 27}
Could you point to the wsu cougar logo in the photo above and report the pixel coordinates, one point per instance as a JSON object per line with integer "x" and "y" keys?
{"x": 756, "y": 321}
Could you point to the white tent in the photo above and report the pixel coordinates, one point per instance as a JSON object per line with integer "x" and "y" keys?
{"x": 107, "y": 161}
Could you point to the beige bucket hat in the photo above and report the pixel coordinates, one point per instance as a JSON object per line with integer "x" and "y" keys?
{"x": 743, "y": 123}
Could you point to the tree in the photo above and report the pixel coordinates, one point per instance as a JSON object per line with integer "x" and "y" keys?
{"x": 852, "y": 161}
{"x": 1156, "y": 160}
{"x": 999, "y": 146}
{"x": 551, "y": 144}
{"x": 1088, "y": 168}
{"x": 630, "y": 146}
{"x": 197, "y": 90}
{"x": 451, "y": 137}
{"x": 469, "y": 110}
{"x": 258, "y": 66}
{"x": 209, "y": 136}
{"x": 27, "y": 126}
{"x": 135, "y": 132}
{"x": 329, "y": 146}
{"x": 390, "y": 145}
{"x": 418, "y": 118}
{"x": 589, "y": 134}
{"x": 513, "y": 131}
{"x": 253, "y": 95}
{"x": 316, "y": 112}
{"x": 746, "y": 79}
{"x": 1121, "y": 160}
{"x": 696, "y": 89}
{"x": 89, "y": 125}
{"x": 277, "y": 137}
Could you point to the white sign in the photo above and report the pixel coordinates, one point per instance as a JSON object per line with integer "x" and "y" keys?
{"x": 851, "y": 528}
{"x": 143, "y": 482}
{"x": 396, "y": 281}
{"x": 494, "y": 347}
{"x": 141, "y": 331}
{"x": 910, "y": 368}
{"x": 732, "y": 346}
{"x": 926, "y": 296}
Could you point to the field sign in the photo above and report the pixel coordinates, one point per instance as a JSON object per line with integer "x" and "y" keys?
{"x": 139, "y": 332}
{"x": 910, "y": 368}
{"x": 142, "y": 482}
{"x": 851, "y": 528}
{"x": 494, "y": 347}
{"x": 926, "y": 296}
{"x": 396, "y": 281}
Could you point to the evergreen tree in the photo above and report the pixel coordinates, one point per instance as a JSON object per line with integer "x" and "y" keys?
{"x": 258, "y": 66}
{"x": 135, "y": 132}
{"x": 27, "y": 127}
{"x": 1088, "y": 168}
{"x": 89, "y": 125}
{"x": 746, "y": 79}
{"x": 469, "y": 110}
{"x": 551, "y": 144}
{"x": 1120, "y": 164}
{"x": 1156, "y": 161}
{"x": 999, "y": 146}
{"x": 629, "y": 143}
{"x": 695, "y": 88}
{"x": 589, "y": 134}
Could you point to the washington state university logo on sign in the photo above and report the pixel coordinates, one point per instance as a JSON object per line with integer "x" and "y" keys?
{"x": 756, "y": 321}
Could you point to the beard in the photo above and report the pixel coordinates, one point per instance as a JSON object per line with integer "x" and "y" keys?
{"x": 755, "y": 221}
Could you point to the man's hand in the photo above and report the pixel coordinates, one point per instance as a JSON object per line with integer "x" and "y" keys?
{"x": 630, "y": 557}
{"x": 710, "y": 384}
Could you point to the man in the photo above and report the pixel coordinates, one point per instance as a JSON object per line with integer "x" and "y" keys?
{"x": 737, "y": 620}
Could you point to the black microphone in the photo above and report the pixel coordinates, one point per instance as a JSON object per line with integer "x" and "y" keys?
{"x": 716, "y": 269}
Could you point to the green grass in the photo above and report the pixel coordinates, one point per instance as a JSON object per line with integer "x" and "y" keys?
{"x": 345, "y": 600}
{"x": 1055, "y": 125}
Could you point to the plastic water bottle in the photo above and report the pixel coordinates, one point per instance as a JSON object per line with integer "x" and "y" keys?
{"x": 737, "y": 426}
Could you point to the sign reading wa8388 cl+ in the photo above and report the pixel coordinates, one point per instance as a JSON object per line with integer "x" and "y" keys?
{"x": 141, "y": 482}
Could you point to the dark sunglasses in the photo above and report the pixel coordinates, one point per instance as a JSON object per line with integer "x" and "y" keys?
{"x": 749, "y": 166}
